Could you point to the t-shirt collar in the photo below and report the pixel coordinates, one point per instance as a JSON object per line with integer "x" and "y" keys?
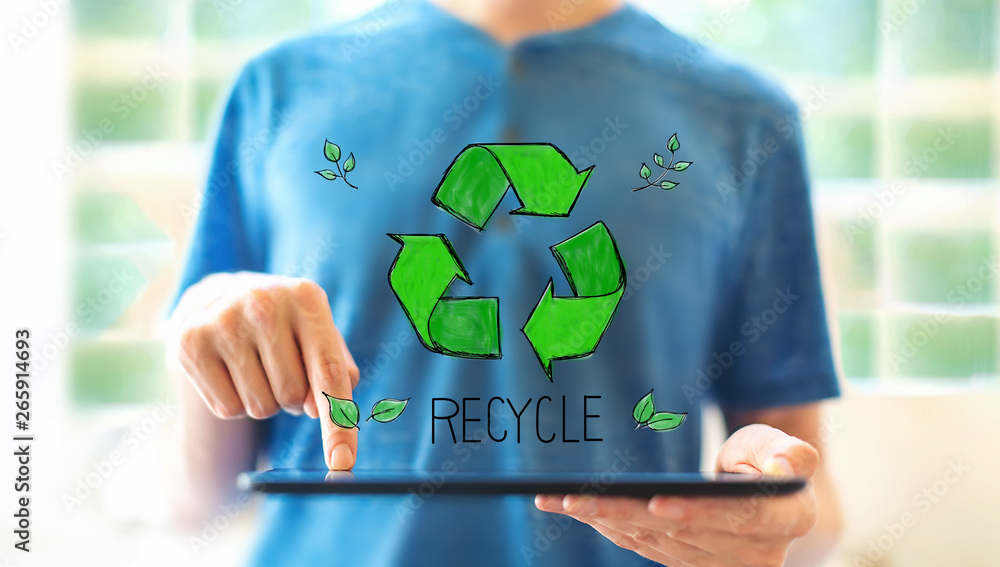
{"x": 606, "y": 26}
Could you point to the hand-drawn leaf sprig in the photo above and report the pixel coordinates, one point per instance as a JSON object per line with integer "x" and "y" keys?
{"x": 646, "y": 173}
{"x": 645, "y": 415}
{"x": 345, "y": 413}
{"x": 332, "y": 153}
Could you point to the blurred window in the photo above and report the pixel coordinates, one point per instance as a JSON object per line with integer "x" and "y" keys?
{"x": 899, "y": 101}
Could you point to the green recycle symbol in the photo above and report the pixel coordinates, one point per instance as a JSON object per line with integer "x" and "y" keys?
{"x": 547, "y": 185}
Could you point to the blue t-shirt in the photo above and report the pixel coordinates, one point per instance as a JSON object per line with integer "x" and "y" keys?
{"x": 723, "y": 300}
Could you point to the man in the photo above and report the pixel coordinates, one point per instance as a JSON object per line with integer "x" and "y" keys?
{"x": 285, "y": 295}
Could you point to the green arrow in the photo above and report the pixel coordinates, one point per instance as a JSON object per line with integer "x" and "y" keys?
{"x": 562, "y": 328}
{"x": 542, "y": 177}
{"x": 420, "y": 275}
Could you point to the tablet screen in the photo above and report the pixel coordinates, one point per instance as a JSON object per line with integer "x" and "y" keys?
{"x": 637, "y": 484}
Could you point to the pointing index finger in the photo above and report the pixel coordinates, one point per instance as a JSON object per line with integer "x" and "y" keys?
{"x": 329, "y": 375}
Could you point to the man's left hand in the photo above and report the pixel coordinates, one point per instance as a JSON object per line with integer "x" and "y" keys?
{"x": 709, "y": 532}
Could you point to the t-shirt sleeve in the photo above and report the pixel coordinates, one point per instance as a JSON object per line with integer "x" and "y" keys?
{"x": 227, "y": 234}
{"x": 771, "y": 325}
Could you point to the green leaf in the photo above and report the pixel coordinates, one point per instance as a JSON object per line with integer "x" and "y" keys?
{"x": 644, "y": 171}
{"x": 665, "y": 421}
{"x": 327, "y": 174}
{"x": 681, "y": 165}
{"x": 673, "y": 144}
{"x": 349, "y": 164}
{"x": 343, "y": 413}
{"x": 668, "y": 185}
{"x": 643, "y": 409}
{"x": 331, "y": 151}
{"x": 387, "y": 410}
{"x": 658, "y": 159}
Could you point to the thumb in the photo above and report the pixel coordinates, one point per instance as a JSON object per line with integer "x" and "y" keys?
{"x": 763, "y": 449}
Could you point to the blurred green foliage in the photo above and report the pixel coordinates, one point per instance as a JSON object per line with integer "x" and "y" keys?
{"x": 108, "y": 372}
{"x": 126, "y": 112}
{"x": 841, "y": 147}
{"x": 927, "y": 149}
{"x": 112, "y": 236}
{"x": 952, "y": 267}
{"x": 942, "y": 346}
{"x": 102, "y": 217}
{"x": 104, "y": 286}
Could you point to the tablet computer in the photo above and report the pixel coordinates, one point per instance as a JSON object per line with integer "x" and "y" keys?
{"x": 636, "y": 484}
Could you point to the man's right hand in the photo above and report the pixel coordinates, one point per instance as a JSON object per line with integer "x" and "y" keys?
{"x": 253, "y": 344}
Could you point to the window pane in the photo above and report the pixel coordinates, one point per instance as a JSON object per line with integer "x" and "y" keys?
{"x": 100, "y": 217}
{"x": 126, "y": 111}
{"x": 104, "y": 286}
{"x": 208, "y": 97}
{"x": 841, "y": 147}
{"x": 851, "y": 250}
{"x": 857, "y": 333}
{"x": 122, "y": 18}
{"x": 105, "y": 372}
{"x": 249, "y": 18}
{"x": 946, "y": 267}
{"x": 802, "y": 37}
{"x": 942, "y": 36}
{"x": 941, "y": 149}
{"x": 942, "y": 345}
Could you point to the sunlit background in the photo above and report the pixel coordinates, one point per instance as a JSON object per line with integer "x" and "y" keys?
{"x": 901, "y": 103}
